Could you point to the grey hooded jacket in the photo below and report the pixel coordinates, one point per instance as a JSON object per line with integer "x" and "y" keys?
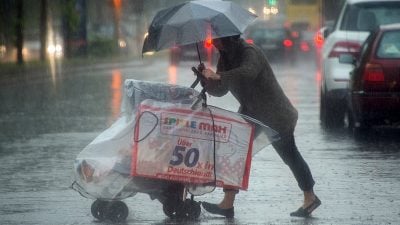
{"x": 246, "y": 73}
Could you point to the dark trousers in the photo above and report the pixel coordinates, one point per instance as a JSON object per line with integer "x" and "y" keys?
{"x": 287, "y": 150}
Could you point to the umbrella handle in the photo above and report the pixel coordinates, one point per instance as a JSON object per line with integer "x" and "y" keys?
{"x": 202, "y": 95}
{"x": 199, "y": 77}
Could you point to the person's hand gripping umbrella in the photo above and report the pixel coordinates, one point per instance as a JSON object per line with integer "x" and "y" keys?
{"x": 194, "y": 22}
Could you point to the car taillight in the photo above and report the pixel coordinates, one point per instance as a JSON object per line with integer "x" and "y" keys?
{"x": 345, "y": 47}
{"x": 374, "y": 78}
{"x": 250, "y": 41}
{"x": 288, "y": 43}
{"x": 373, "y": 73}
{"x": 319, "y": 40}
{"x": 208, "y": 43}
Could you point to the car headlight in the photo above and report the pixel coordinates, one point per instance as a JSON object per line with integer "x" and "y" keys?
{"x": 54, "y": 49}
{"x": 122, "y": 43}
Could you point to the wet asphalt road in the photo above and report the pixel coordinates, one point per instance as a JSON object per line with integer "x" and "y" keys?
{"x": 46, "y": 120}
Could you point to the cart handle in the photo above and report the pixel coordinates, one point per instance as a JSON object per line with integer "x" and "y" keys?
{"x": 201, "y": 97}
{"x": 199, "y": 78}
{"x": 199, "y": 75}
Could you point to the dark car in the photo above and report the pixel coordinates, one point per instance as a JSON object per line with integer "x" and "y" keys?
{"x": 208, "y": 53}
{"x": 303, "y": 39}
{"x": 274, "y": 39}
{"x": 374, "y": 86}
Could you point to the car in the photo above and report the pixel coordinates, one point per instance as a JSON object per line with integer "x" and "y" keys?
{"x": 3, "y": 47}
{"x": 31, "y": 49}
{"x": 374, "y": 87}
{"x": 208, "y": 53}
{"x": 303, "y": 39}
{"x": 319, "y": 39}
{"x": 355, "y": 22}
{"x": 274, "y": 39}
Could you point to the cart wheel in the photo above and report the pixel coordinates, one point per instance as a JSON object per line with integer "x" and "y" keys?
{"x": 117, "y": 211}
{"x": 99, "y": 209}
{"x": 173, "y": 209}
{"x": 192, "y": 209}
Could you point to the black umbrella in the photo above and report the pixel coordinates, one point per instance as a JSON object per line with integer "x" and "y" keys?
{"x": 195, "y": 21}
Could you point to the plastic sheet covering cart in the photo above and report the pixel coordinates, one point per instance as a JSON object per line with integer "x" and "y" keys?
{"x": 167, "y": 143}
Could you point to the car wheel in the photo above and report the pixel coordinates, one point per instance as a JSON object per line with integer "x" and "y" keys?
{"x": 361, "y": 128}
{"x": 358, "y": 127}
{"x": 331, "y": 112}
{"x": 321, "y": 107}
{"x": 348, "y": 120}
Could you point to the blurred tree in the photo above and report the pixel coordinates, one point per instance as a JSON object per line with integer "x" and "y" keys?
{"x": 117, "y": 4}
{"x": 138, "y": 6}
{"x": 81, "y": 8}
{"x": 19, "y": 30}
{"x": 7, "y": 12}
{"x": 69, "y": 24}
{"x": 74, "y": 27}
{"x": 138, "y": 11}
{"x": 43, "y": 29}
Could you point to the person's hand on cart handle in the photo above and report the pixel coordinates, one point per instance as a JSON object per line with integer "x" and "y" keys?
{"x": 201, "y": 67}
{"x": 209, "y": 74}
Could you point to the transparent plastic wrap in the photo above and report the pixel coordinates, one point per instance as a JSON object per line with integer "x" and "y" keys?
{"x": 108, "y": 168}
{"x": 102, "y": 169}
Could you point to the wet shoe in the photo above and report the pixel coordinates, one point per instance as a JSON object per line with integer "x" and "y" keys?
{"x": 306, "y": 212}
{"x": 215, "y": 209}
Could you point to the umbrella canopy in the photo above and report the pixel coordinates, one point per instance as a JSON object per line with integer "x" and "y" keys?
{"x": 195, "y": 21}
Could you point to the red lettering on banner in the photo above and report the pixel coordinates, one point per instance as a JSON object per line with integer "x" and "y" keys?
{"x": 208, "y": 166}
{"x": 179, "y": 138}
{"x": 200, "y": 165}
{"x": 208, "y": 127}
{"x": 184, "y": 143}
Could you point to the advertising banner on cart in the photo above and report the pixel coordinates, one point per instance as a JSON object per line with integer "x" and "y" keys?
{"x": 174, "y": 142}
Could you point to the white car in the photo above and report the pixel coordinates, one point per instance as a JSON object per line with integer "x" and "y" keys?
{"x": 356, "y": 20}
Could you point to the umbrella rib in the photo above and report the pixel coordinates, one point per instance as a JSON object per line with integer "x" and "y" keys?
{"x": 199, "y": 32}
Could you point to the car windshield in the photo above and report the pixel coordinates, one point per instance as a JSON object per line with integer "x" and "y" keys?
{"x": 367, "y": 16}
{"x": 389, "y": 46}
{"x": 273, "y": 33}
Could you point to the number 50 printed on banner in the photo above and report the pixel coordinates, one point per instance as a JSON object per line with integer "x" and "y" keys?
{"x": 174, "y": 142}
